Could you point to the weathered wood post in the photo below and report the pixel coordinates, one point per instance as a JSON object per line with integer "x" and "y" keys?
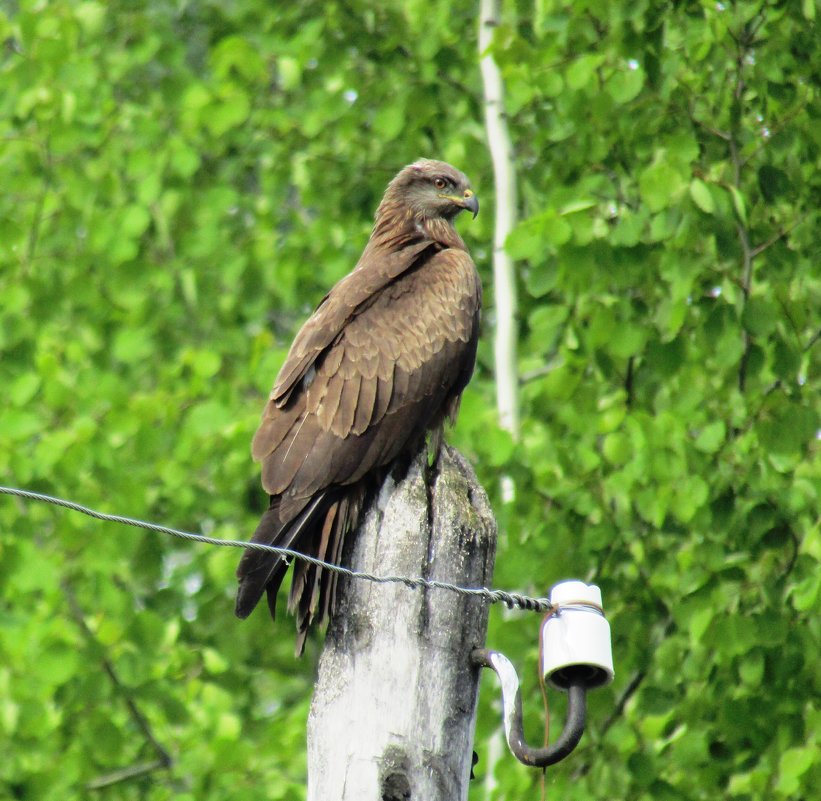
{"x": 395, "y": 701}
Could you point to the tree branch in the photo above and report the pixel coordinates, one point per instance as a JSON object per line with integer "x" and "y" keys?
{"x": 742, "y": 45}
{"x": 124, "y": 774}
{"x": 759, "y": 249}
{"x": 628, "y": 382}
{"x": 163, "y": 757}
{"x": 540, "y": 372}
{"x": 37, "y": 221}
{"x": 813, "y": 339}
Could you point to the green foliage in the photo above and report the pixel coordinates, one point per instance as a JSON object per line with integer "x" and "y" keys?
{"x": 184, "y": 181}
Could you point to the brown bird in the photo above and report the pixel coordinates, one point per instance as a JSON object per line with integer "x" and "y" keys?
{"x": 381, "y": 362}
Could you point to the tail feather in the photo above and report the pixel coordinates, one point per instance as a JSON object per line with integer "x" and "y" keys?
{"x": 318, "y": 599}
{"x": 257, "y": 568}
{"x": 307, "y": 587}
{"x": 259, "y": 571}
{"x": 317, "y": 528}
{"x": 326, "y": 586}
{"x": 328, "y": 528}
{"x": 349, "y": 516}
{"x": 272, "y": 589}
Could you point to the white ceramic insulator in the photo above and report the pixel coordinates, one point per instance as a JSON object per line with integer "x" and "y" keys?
{"x": 577, "y": 637}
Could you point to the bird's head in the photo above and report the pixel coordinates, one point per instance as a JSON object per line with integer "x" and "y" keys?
{"x": 432, "y": 189}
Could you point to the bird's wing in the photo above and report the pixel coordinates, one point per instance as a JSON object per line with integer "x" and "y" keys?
{"x": 343, "y": 301}
{"x": 383, "y": 378}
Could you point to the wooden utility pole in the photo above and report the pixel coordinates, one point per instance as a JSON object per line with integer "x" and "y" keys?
{"x": 393, "y": 712}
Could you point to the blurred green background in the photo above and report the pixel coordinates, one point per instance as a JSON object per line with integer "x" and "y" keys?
{"x": 182, "y": 181}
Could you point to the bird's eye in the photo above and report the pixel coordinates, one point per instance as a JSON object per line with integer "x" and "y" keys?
{"x": 439, "y": 183}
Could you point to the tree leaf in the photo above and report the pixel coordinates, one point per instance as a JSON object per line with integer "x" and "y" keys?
{"x": 702, "y": 196}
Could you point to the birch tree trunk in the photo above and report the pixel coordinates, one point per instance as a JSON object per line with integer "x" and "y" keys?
{"x": 394, "y": 707}
{"x": 504, "y": 178}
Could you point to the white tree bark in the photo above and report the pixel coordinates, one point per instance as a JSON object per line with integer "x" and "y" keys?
{"x": 504, "y": 280}
{"x": 394, "y": 708}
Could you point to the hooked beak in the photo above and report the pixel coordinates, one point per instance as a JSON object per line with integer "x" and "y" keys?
{"x": 467, "y": 201}
{"x": 471, "y": 202}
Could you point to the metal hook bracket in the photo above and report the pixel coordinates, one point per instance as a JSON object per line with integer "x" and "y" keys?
{"x": 575, "y": 657}
{"x": 512, "y": 711}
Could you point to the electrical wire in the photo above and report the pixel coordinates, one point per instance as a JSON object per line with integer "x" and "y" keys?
{"x": 510, "y": 599}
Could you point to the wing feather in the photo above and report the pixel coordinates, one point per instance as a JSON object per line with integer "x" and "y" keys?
{"x": 327, "y": 410}
{"x": 355, "y": 290}
{"x": 401, "y": 382}
{"x": 346, "y": 412}
{"x": 365, "y": 405}
{"x": 276, "y": 425}
{"x": 384, "y": 392}
{"x": 357, "y": 384}
{"x": 281, "y": 467}
{"x": 381, "y": 361}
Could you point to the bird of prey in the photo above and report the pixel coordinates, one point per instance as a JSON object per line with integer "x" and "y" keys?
{"x": 380, "y": 363}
